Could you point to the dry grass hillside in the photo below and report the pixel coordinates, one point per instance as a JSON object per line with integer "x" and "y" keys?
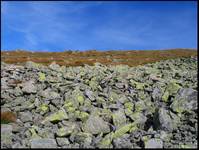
{"x": 77, "y": 58}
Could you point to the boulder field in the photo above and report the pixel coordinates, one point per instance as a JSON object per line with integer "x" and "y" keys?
{"x": 149, "y": 106}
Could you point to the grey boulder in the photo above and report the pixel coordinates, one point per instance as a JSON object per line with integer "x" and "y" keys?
{"x": 6, "y": 135}
{"x": 43, "y": 143}
{"x": 154, "y": 143}
{"x": 29, "y": 87}
{"x": 96, "y": 125}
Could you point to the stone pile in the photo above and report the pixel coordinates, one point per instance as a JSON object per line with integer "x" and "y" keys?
{"x": 150, "y": 106}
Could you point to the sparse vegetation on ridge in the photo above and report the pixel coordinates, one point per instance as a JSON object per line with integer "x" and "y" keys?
{"x": 77, "y": 58}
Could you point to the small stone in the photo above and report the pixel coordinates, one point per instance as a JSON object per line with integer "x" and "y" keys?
{"x": 62, "y": 141}
{"x": 26, "y": 116}
{"x": 90, "y": 95}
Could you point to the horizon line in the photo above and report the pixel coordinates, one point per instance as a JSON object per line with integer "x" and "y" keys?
{"x": 69, "y": 50}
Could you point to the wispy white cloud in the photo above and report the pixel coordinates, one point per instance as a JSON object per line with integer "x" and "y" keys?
{"x": 47, "y": 22}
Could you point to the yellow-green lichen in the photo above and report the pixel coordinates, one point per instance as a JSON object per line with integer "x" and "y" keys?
{"x": 42, "y": 76}
{"x": 121, "y": 131}
{"x": 165, "y": 96}
{"x": 44, "y": 107}
{"x": 68, "y": 104}
{"x": 65, "y": 131}
{"x": 129, "y": 105}
{"x": 83, "y": 116}
{"x": 173, "y": 87}
{"x": 58, "y": 116}
{"x": 70, "y": 109}
{"x": 80, "y": 99}
{"x": 106, "y": 141}
{"x": 33, "y": 132}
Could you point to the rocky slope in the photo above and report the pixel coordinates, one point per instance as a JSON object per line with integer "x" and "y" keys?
{"x": 150, "y": 106}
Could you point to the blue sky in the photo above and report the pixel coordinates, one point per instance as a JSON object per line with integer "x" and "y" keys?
{"x": 58, "y": 26}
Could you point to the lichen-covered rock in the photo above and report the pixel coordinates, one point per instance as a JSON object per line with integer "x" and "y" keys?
{"x": 42, "y": 76}
{"x": 66, "y": 130}
{"x": 83, "y": 116}
{"x": 33, "y": 130}
{"x": 122, "y": 130}
{"x": 44, "y": 108}
{"x": 139, "y": 118}
{"x": 137, "y": 85}
{"x": 186, "y": 100}
{"x": 58, "y": 116}
{"x": 173, "y": 88}
{"x": 106, "y": 141}
{"x": 148, "y": 106}
{"x": 119, "y": 118}
{"x": 96, "y": 125}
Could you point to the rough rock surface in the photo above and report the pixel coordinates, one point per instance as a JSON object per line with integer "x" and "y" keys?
{"x": 149, "y": 106}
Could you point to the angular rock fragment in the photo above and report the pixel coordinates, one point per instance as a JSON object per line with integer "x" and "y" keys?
{"x": 26, "y": 116}
{"x": 185, "y": 100}
{"x": 96, "y": 125}
{"x": 154, "y": 143}
{"x": 29, "y": 87}
{"x": 162, "y": 120}
{"x": 6, "y": 136}
{"x": 43, "y": 143}
{"x": 119, "y": 118}
{"x": 58, "y": 116}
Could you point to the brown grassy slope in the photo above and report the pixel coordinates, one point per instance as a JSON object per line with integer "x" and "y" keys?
{"x": 71, "y": 58}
